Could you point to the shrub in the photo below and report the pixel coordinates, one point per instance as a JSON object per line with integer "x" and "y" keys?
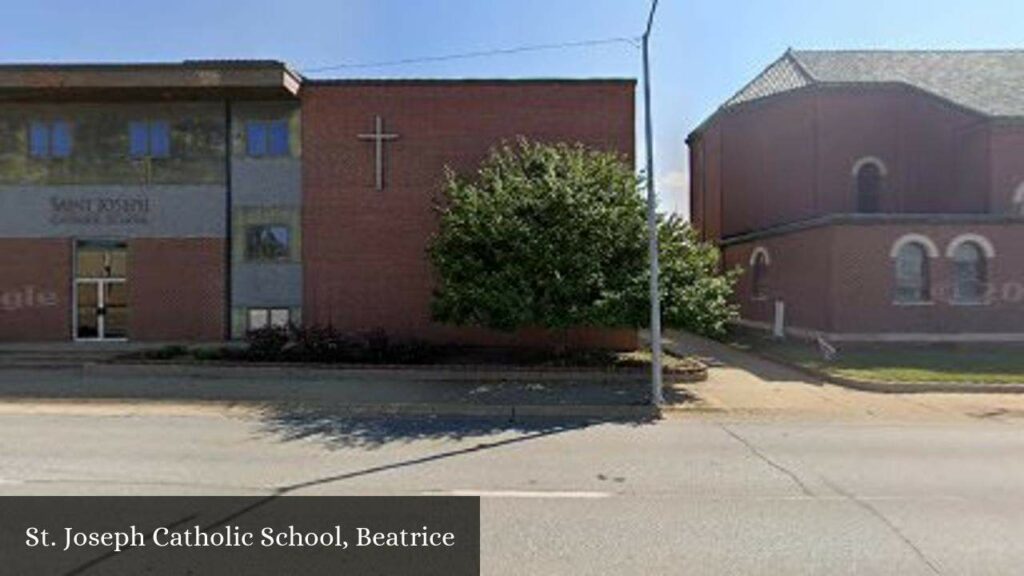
{"x": 270, "y": 343}
{"x": 554, "y": 236}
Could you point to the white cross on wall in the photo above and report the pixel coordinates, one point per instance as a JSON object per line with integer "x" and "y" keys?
{"x": 379, "y": 137}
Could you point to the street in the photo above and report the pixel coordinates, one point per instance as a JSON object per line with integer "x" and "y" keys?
{"x": 712, "y": 493}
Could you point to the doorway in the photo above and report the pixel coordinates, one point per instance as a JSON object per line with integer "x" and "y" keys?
{"x": 101, "y": 291}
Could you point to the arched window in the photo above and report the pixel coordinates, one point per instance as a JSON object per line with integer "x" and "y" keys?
{"x": 869, "y": 173}
{"x": 913, "y": 274}
{"x": 970, "y": 273}
{"x": 759, "y": 263}
{"x": 971, "y": 254}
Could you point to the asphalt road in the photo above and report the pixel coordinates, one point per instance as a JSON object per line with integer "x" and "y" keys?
{"x": 689, "y": 495}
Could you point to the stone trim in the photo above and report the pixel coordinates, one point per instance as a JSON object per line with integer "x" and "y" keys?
{"x": 913, "y": 238}
{"x": 983, "y": 242}
{"x": 871, "y": 220}
{"x": 882, "y": 168}
{"x": 893, "y": 337}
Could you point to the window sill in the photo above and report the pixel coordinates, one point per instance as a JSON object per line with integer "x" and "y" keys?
{"x": 913, "y": 304}
{"x": 267, "y": 261}
{"x": 970, "y": 304}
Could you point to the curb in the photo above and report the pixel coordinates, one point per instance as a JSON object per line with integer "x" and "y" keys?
{"x": 922, "y": 387}
{"x": 511, "y": 412}
{"x": 397, "y": 410}
{"x": 459, "y": 372}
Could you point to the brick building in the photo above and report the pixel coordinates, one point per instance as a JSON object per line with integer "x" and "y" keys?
{"x": 194, "y": 201}
{"x": 876, "y": 195}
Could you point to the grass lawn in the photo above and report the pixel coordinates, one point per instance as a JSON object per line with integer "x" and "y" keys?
{"x": 962, "y": 363}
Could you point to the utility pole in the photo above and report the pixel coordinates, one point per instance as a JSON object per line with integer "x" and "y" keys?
{"x": 657, "y": 396}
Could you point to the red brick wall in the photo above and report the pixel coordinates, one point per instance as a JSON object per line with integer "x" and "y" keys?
{"x": 799, "y": 275}
{"x": 176, "y": 289}
{"x": 35, "y": 290}
{"x": 363, "y": 249}
{"x": 840, "y": 279}
{"x": 712, "y": 184}
{"x": 1007, "y": 174}
{"x": 863, "y": 282}
{"x": 789, "y": 158}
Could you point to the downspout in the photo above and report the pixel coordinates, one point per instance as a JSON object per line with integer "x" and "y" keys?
{"x": 229, "y": 138}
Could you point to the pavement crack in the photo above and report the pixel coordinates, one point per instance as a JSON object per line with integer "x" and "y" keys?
{"x": 767, "y": 460}
{"x": 868, "y": 507}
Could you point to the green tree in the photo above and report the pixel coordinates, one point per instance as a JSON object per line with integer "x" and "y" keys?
{"x": 554, "y": 236}
{"x": 696, "y": 294}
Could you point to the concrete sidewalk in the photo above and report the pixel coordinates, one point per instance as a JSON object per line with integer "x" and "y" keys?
{"x": 741, "y": 385}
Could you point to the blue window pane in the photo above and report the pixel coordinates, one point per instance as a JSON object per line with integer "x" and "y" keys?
{"x": 139, "y": 137}
{"x": 256, "y": 138}
{"x": 39, "y": 140}
{"x": 279, "y": 138}
{"x": 61, "y": 145}
{"x": 159, "y": 140}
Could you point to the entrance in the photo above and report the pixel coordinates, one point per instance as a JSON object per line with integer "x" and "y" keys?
{"x": 101, "y": 291}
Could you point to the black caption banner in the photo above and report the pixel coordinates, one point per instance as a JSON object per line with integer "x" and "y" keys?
{"x": 235, "y": 535}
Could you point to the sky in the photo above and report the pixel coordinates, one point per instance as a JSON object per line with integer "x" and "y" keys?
{"x": 702, "y": 50}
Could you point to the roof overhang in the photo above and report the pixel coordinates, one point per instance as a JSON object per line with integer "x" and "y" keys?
{"x": 189, "y": 80}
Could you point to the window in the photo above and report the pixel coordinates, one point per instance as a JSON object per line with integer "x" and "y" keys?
{"x": 759, "y": 273}
{"x": 49, "y": 139}
{"x": 913, "y": 282}
{"x": 266, "y": 138}
{"x": 260, "y": 318}
{"x": 267, "y": 242}
{"x": 869, "y": 173}
{"x": 970, "y": 273}
{"x": 149, "y": 139}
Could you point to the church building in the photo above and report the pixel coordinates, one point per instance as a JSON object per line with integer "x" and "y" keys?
{"x": 872, "y": 196}
{"x": 195, "y": 201}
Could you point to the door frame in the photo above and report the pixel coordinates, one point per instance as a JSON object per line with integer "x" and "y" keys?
{"x": 98, "y": 284}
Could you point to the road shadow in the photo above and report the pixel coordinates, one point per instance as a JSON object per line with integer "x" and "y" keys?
{"x": 340, "y": 430}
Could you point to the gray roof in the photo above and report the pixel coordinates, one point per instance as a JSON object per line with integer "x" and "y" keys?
{"x": 990, "y": 82}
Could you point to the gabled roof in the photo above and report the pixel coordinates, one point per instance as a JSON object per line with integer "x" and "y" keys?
{"x": 782, "y": 75}
{"x": 988, "y": 82}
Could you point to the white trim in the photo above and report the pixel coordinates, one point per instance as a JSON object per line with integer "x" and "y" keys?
{"x": 861, "y": 162}
{"x": 986, "y": 245}
{"x": 101, "y": 320}
{"x": 930, "y": 247}
{"x": 1018, "y": 199}
{"x": 907, "y": 337}
{"x": 761, "y": 250}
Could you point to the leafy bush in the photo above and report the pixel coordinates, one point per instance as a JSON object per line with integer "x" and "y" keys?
{"x": 322, "y": 344}
{"x": 554, "y": 236}
{"x": 696, "y": 294}
{"x": 325, "y": 344}
{"x": 269, "y": 343}
{"x": 166, "y": 353}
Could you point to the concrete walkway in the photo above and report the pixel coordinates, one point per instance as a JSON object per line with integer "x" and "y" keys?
{"x": 743, "y": 384}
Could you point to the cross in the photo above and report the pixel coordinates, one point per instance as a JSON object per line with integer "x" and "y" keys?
{"x": 378, "y": 138}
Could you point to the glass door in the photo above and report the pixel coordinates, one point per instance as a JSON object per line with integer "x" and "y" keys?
{"x": 101, "y": 291}
{"x": 115, "y": 310}
{"x": 87, "y": 314}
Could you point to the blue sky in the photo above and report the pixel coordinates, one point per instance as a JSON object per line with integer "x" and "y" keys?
{"x": 704, "y": 50}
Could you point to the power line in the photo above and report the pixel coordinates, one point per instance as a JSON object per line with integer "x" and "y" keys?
{"x": 479, "y": 54}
